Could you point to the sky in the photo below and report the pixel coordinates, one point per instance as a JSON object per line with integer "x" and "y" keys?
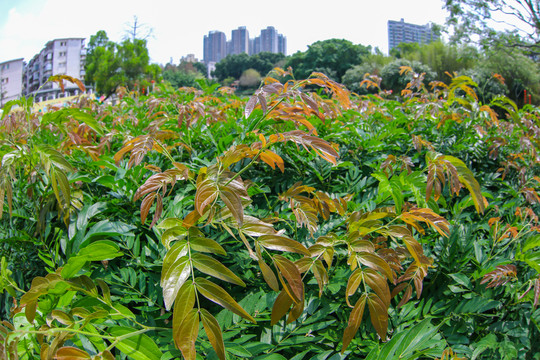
{"x": 178, "y": 27}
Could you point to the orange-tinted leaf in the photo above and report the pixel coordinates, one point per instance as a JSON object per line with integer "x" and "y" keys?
{"x": 273, "y": 159}
{"x": 406, "y": 296}
{"x": 354, "y": 322}
{"x": 352, "y": 285}
{"x": 321, "y": 275}
{"x": 282, "y": 243}
{"x": 30, "y": 311}
{"x": 71, "y": 353}
{"x": 378, "y": 284}
{"x": 268, "y": 275}
{"x": 281, "y": 307}
{"x": 252, "y": 102}
{"x": 379, "y": 315}
{"x": 294, "y": 284}
{"x": 233, "y": 203}
{"x": 191, "y": 219}
{"x": 218, "y": 295}
{"x": 212, "y": 267}
{"x": 296, "y": 311}
{"x": 185, "y": 300}
{"x": 376, "y": 262}
{"x": 187, "y": 335}
{"x": 213, "y": 332}
{"x": 207, "y": 192}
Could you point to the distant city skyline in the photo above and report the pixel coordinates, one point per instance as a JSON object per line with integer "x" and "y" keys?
{"x": 217, "y": 46}
{"x": 179, "y": 27}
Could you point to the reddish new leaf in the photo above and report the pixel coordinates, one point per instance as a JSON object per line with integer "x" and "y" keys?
{"x": 354, "y": 322}
{"x": 281, "y": 307}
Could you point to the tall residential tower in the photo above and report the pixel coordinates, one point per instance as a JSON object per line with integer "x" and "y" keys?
{"x": 402, "y": 32}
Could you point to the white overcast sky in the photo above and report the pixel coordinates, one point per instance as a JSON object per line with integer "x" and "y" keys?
{"x": 179, "y": 26}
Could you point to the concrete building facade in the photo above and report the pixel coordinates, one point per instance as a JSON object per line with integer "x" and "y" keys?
{"x": 58, "y": 57}
{"x": 402, "y": 32}
{"x": 11, "y": 73}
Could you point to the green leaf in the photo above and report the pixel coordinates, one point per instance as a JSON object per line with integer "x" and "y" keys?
{"x": 218, "y": 295}
{"x": 138, "y": 346}
{"x": 96, "y": 251}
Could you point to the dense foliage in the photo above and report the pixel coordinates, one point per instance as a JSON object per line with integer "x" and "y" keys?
{"x": 109, "y": 65}
{"x": 305, "y": 222}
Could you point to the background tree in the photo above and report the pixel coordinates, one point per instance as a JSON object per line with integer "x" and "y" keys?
{"x": 233, "y": 66}
{"x": 185, "y": 74}
{"x": 478, "y": 17}
{"x": 393, "y": 80}
{"x": 250, "y": 78}
{"x": 109, "y": 65}
{"x": 332, "y": 57}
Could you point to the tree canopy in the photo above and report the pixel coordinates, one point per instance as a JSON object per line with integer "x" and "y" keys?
{"x": 233, "y": 66}
{"x": 481, "y": 17}
{"x": 109, "y": 65}
{"x": 332, "y": 57}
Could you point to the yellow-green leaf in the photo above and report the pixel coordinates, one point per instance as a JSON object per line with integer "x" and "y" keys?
{"x": 202, "y": 244}
{"x": 268, "y": 275}
{"x": 218, "y": 295}
{"x": 213, "y": 331}
{"x": 174, "y": 273}
{"x": 187, "y": 335}
{"x": 183, "y": 304}
{"x": 212, "y": 267}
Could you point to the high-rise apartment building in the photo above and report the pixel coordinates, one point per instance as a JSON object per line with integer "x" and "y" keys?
{"x": 215, "y": 46}
{"x": 11, "y": 73}
{"x": 59, "y": 57}
{"x": 240, "y": 41}
{"x": 402, "y": 32}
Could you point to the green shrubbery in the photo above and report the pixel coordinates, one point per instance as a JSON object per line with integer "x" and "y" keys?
{"x": 302, "y": 223}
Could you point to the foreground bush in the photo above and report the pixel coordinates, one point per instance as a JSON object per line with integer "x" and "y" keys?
{"x": 301, "y": 223}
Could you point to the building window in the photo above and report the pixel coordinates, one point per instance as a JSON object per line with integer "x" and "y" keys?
{"x": 5, "y": 67}
{"x": 62, "y": 54}
{"x": 5, "y": 80}
{"x": 62, "y": 43}
{"x": 62, "y": 64}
